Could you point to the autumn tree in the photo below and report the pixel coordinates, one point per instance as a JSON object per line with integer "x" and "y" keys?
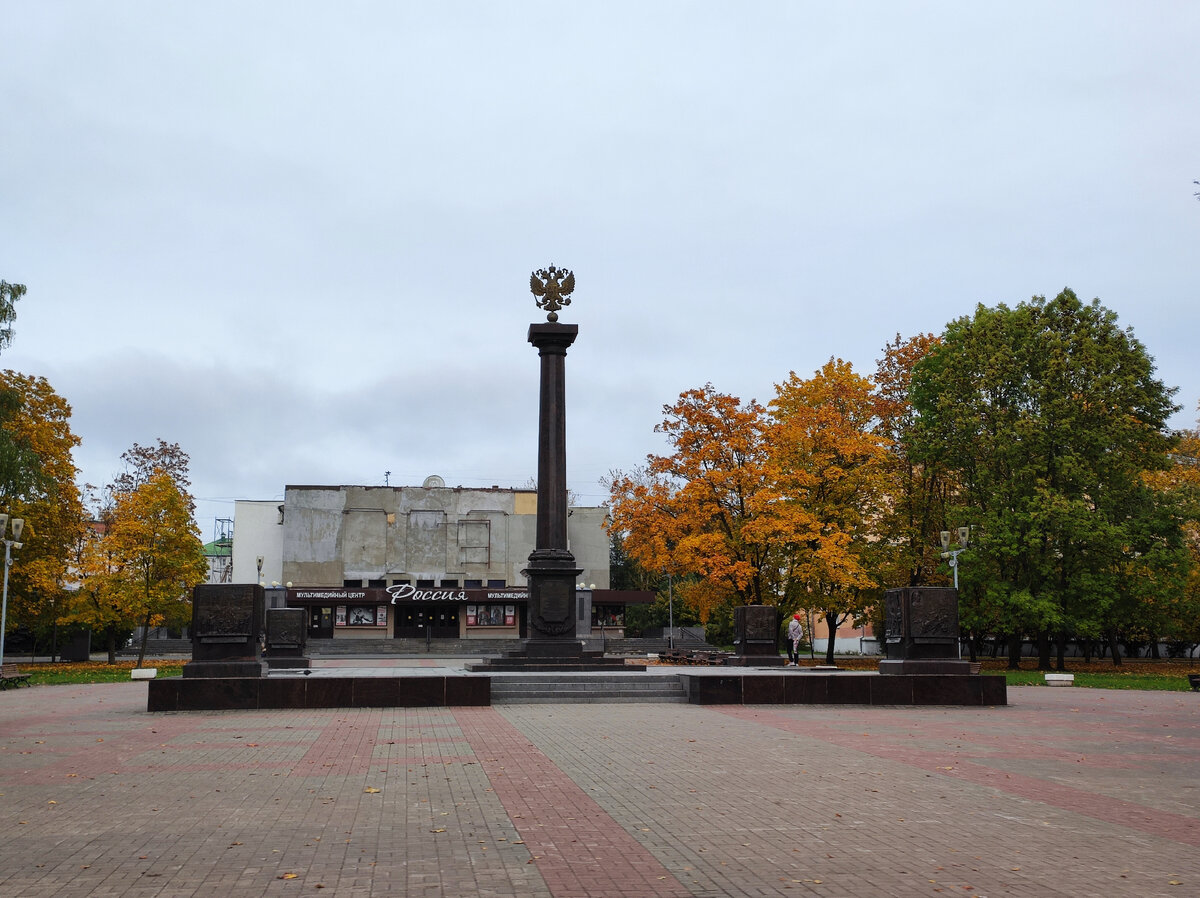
{"x": 825, "y": 495}
{"x": 40, "y": 424}
{"x": 141, "y": 463}
{"x": 142, "y": 557}
{"x": 1045, "y": 416}
{"x": 686, "y": 513}
{"x": 1175, "y": 615}
{"x": 918, "y": 492}
{"x": 161, "y": 554}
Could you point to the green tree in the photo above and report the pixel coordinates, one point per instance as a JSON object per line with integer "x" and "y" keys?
{"x": 9, "y": 294}
{"x": 916, "y": 509}
{"x": 20, "y": 470}
{"x": 50, "y": 503}
{"x": 1044, "y": 417}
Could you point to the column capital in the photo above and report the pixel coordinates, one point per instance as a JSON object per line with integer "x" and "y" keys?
{"x": 552, "y": 338}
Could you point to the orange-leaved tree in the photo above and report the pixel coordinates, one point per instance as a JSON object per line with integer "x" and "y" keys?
{"x": 827, "y": 493}
{"x": 686, "y": 513}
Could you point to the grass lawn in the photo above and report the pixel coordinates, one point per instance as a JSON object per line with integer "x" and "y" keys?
{"x": 1137, "y": 673}
{"x": 45, "y": 673}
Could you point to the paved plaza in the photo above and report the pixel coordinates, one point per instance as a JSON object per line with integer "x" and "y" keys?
{"x": 1064, "y": 792}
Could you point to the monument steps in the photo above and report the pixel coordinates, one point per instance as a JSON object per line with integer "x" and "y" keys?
{"x": 583, "y": 689}
{"x": 439, "y": 648}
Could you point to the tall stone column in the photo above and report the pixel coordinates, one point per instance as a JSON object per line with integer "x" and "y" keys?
{"x": 552, "y": 569}
{"x": 552, "y": 644}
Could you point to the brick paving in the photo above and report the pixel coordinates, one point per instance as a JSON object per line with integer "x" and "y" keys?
{"x": 1065, "y": 792}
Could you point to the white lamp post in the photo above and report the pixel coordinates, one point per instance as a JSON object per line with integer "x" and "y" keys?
{"x": 964, "y": 535}
{"x": 18, "y": 525}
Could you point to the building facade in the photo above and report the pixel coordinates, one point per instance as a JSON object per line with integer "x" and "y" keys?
{"x": 432, "y": 562}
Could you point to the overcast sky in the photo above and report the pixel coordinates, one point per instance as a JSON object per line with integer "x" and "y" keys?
{"x": 296, "y": 238}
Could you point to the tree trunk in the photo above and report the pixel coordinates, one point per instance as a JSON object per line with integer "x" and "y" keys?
{"x": 1154, "y": 648}
{"x": 1061, "y": 652}
{"x": 145, "y": 639}
{"x": 1114, "y": 648}
{"x": 1014, "y": 652}
{"x": 1043, "y": 650}
{"x": 971, "y": 645}
{"x": 111, "y": 639}
{"x": 831, "y": 621}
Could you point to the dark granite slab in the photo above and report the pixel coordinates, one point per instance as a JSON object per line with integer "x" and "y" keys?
{"x": 468, "y": 691}
{"x": 769, "y": 690}
{"x": 802, "y": 688}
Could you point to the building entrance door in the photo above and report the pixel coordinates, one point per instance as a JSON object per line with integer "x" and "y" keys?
{"x": 433, "y": 621}
{"x": 320, "y": 623}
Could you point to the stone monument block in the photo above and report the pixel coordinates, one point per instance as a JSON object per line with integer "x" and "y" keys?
{"x": 921, "y": 631}
{"x": 286, "y": 637}
{"x": 756, "y": 635}
{"x": 227, "y": 624}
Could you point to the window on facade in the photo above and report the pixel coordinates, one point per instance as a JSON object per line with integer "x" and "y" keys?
{"x": 608, "y": 615}
{"x": 425, "y": 584}
{"x": 376, "y": 584}
{"x": 402, "y": 581}
{"x": 352, "y": 584}
{"x": 496, "y": 584}
{"x": 449, "y": 584}
{"x": 473, "y": 537}
{"x": 491, "y": 615}
{"x": 472, "y": 584}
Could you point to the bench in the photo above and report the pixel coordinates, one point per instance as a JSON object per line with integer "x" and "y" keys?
{"x": 1194, "y": 682}
{"x": 10, "y": 676}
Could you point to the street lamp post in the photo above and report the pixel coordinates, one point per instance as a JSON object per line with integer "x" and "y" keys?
{"x": 964, "y": 535}
{"x": 670, "y": 613}
{"x": 18, "y": 525}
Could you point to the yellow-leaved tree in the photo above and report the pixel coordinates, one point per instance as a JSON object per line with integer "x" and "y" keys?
{"x": 826, "y": 493}
{"x": 141, "y": 559}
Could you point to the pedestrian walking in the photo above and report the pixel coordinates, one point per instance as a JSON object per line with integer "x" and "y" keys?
{"x": 794, "y": 635}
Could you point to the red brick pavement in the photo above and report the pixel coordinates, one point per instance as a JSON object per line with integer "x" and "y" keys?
{"x": 578, "y": 847}
{"x": 1068, "y": 792}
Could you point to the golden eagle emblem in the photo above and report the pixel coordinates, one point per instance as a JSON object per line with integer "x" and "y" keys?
{"x": 553, "y": 288}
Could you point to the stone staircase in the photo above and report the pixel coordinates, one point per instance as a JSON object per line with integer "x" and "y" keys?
{"x": 560, "y": 688}
{"x": 438, "y": 648}
{"x": 651, "y": 646}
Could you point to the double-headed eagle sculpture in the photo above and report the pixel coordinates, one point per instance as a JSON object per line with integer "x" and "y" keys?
{"x": 552, "y": 288}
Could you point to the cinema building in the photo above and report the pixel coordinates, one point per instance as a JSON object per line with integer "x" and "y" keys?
{"x": 429, "y": 562}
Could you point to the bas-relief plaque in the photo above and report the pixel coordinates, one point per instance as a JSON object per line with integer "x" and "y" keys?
{"x": 933, "y": 612}
{"x": 553, "y": 605}
{"x": 761, "y": 622}
{"x": 285, "y": 627}
{"x": 223, "y": 611}
{"x": 894, "y": 609}
{"x": 921, "y": 622}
